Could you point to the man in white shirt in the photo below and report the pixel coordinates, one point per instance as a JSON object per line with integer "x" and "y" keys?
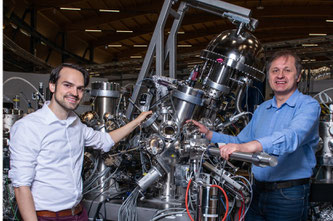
{"x": 47, "y": 150}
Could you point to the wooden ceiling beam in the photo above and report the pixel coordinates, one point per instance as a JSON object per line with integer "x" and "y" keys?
{"x": 264, "y": 35}
{"x": 102, "y": 19}
{"x": 48, "y": 4}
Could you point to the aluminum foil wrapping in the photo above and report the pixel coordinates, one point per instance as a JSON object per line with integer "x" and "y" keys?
{"x": 326, "y": 214}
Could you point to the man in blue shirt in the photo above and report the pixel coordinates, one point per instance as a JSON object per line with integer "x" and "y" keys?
{"x": 287, "y": 127}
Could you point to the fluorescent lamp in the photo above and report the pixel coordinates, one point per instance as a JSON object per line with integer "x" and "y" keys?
{"x": 24, "y": 32}
{"x": 124, "y": 31}
{"x": 109, "y": 10}
{"x": 13, "y": 25}
{"x": 307, "y": 60}
{"x": 317, "y": 34}
{"x": 93, "y": 30}
{"x": 184, "y": 46}
{"x": 140, "y": 46}
{"x": 114, "y": 46}
{"x": 329, "y": 20}
{"x": 70, "y": 9}
{"x": 180, "y": 32}
{"x": 309, "y": 45}
{"x": 136, "y": 56}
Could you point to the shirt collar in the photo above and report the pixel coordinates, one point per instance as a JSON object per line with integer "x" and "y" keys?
{"x": 290, "y": 102}
{"x": 50, "y": 117}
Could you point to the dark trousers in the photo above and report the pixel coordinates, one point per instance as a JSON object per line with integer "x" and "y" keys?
{"x": 286, "y": 204}
{"x": 83, "y": 216}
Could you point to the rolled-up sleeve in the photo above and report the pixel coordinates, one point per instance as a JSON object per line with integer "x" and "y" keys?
{"x": 301, "y": 130}
{"x": 24, "y": 148}
{"x": 97, "y": 139}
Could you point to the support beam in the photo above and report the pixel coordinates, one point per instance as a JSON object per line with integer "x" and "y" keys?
{"x": 21, "y": 24}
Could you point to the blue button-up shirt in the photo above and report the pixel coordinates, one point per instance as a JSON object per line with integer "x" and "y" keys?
{"x": 290, "y": 132}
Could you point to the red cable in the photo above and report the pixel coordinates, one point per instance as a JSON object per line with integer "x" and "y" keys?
{"x": 227, "y": 202}
{"x": 241, "y": 211}
{"x": 224, "y": 193}
{"x": 186, "y": 196}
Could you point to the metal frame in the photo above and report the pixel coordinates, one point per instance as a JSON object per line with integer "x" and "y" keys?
{"x": 234, "y": 13}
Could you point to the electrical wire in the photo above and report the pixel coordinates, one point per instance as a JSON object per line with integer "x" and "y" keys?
{"x": 226, "y": 199}
{"x": 167, "y": 214}
{"x": 96, "y": 161}
{"x": 249, "y": 189}
{"x": 102, "y": 183}
{"x": 163, "y": 213}
{"x": 127, "y": 210}
{"x": 102, "y": 173}
{"x": 186, "y": 196}
{"x": 259, "y": 92}
{"x": 321, "y": 100}
{"x": 26, "y": 81}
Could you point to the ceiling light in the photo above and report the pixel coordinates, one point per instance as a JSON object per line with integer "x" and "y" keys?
{"x": 136, "y": 56}
{"x": 70, "y": 9}
{"x": 114, "y": 46}
{"x": 184, "y": 46}
{"x": 317, "y": 34}
{"x": 140, "y": 46}
{"x": 329, "y": 20}
{"x": 179, "y": 32}
{"x": 25, "y": 33}
{"x": 108, "y": 10}
{"x": 309, "y": 45}
{"x": 124, "y": 31}
{"x": 13, "y": 25}
{"x": 260, "y": 6}
{"x": 93, "y": 30}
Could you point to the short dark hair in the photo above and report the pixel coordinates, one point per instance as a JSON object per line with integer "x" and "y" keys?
{"x": 285, "y": 53}
{"x": 55, "y": 73}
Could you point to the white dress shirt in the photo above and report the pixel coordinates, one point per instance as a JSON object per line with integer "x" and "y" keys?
{"x": 47, "y": 154}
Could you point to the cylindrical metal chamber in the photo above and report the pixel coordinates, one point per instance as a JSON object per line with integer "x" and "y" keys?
{"x": 106, "y": 97}
{"x": 186, "y": 99}
{"x": 10, "y": 116}
{"x": 230, "y": 55}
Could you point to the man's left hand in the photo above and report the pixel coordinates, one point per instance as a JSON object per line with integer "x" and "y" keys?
{"x": 226, "y": 150}
{"x": 250, "y": 147}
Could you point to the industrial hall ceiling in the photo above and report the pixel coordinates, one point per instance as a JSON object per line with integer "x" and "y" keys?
{"x": 111, "y": 37}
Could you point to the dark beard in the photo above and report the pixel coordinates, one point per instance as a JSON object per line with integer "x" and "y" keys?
{"x": 63, "y": 105}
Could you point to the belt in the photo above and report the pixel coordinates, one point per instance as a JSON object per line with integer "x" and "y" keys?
{"x": 67, "y": 212}
{"x": 270, "y": 186}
